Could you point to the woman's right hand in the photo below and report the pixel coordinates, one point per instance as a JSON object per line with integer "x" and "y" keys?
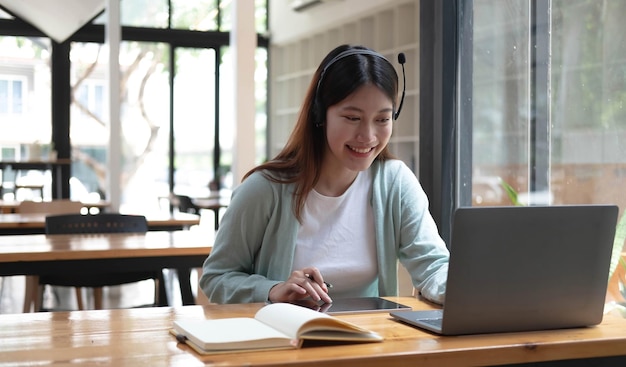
{"x": 304, "y": 283}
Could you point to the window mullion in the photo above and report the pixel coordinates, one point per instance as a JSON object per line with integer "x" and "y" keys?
{"x": 539, "y": 121}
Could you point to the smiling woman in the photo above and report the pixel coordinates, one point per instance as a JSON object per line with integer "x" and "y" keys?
{"x": 334, "y": 205}
{"x": 358, "y": 129}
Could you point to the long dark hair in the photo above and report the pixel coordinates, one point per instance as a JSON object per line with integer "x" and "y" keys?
{"x": 300, "y": 160}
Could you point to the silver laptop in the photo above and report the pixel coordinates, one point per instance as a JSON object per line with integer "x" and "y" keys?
{"x": 524, "y": 268}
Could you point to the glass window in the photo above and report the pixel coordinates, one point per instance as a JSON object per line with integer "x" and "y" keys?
{"x": 500, "y": 100}
{"x": 145, "y": 111}
{"x": 260, "y": 80}
{"x": 194, "y": 121}
{"x": 194, "y": 15}
{"x": 25, "y": 108}
{"x": 226, "y": 16}
{"x": 260, "y": 16}
{"x": 549, "y": 93}
{"x": 11, "y": 95}
{"x": 89, "y": 131}
{"x": 91, "y": 99}
{"x": 4, "y": 96}
{"x": 144, "y": 114}
{"x": 140, "y": 13}
{"x": 155, "y": 106}
{"x": 227, "y": 129}
{"x": 588, "y": 102}
{"x": 16, "y": 96}
{"x": 5, "y": 15}
{"x": 144, "y": 13}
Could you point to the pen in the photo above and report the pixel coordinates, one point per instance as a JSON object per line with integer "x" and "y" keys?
{"x": 328, "y": 285}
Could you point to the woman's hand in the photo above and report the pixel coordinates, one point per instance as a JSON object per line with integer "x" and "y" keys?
{"x": 304, "y": 283}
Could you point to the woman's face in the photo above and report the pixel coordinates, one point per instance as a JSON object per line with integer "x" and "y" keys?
{"x": 358, "y": 128}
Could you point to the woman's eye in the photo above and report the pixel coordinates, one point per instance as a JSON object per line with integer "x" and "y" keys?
{"x": 384, "y": 120}
{"x": 352, "y": 118}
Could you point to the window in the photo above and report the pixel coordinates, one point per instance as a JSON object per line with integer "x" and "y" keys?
{"x": 4, "y": 15}
{"x": 170, "y": 58}
{"x": 523, "y": 93}
{"x": 11, "y": 95}
{"x": 195, "y": 15}
{"x": 194, "y": 116}
{"x": 90, "y": 99}
{"x": 25, "y": 107}
{"x": 549, "y": 102}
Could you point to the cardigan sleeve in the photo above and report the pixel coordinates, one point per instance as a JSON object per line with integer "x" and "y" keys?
{"x": 418, "y": 245}
{"x": 231, "y": 273}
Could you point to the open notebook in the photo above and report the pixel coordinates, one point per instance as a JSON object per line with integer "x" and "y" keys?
{"x": 524, "y": 268}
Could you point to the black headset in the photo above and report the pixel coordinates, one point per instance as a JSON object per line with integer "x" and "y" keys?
{"x": 357, "y": 51}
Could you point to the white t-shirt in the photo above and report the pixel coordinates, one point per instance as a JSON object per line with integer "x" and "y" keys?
{"x": 337, "y": 237}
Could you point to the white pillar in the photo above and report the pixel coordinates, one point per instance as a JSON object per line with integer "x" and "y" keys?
{"x": 112, "y": 41}
{"x": 243, "y": 45}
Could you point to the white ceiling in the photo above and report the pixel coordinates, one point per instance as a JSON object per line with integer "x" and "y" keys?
{"x": 288, "y": 25}
{"x": 59, "y": 19}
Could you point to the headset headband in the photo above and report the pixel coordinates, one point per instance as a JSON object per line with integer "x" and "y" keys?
{"x": 359, "y": 51}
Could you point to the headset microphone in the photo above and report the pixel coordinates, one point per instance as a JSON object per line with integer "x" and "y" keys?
{"x": 401, "y": 60}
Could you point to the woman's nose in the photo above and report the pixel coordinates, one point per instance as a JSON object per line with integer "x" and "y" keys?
{"x": 365, "y": 132}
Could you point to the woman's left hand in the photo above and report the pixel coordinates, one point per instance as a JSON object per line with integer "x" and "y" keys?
{"x": 304, "y": 283}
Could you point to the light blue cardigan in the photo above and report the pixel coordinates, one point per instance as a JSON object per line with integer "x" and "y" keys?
{"x": 255, "y": 244}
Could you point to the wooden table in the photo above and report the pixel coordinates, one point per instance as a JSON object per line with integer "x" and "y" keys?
{"x": 73, "y": 254}
{"x": 214, "y": 204}
{"x": 55, "y": 166}
{"x": 16, "y": 223}
{"x": 140, "y": 337}
{"x": 10, "y": 206}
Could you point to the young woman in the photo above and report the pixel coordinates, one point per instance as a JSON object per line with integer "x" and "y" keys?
{"x": 334, "y": 206}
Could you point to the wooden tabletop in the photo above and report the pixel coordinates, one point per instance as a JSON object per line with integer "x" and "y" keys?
{"x": 16, "y": 223}
{"x": 140, "y": 337}
{"x": 71, "y": 254}
{"x": 211, "y": 203}
{"x": 40, "y": 247}
{"x": 10, "y": 206}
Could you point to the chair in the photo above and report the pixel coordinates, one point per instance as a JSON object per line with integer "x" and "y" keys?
{"x": 57, "y": 206}
{"x": 93, "y": 224}
{"x": 99, "y": 223}
{"x": 185, "y": 204}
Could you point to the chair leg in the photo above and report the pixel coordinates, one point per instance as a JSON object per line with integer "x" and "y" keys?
{"x": 160, "y": 291}
{"x": 216, "y": 218}
{"x": 39, "y": 297}
{"x": 156, "y": 292}
{"x": 31, "y": 293}
{"x": 97, "y": 298}
{"x": 79, "y": 298}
